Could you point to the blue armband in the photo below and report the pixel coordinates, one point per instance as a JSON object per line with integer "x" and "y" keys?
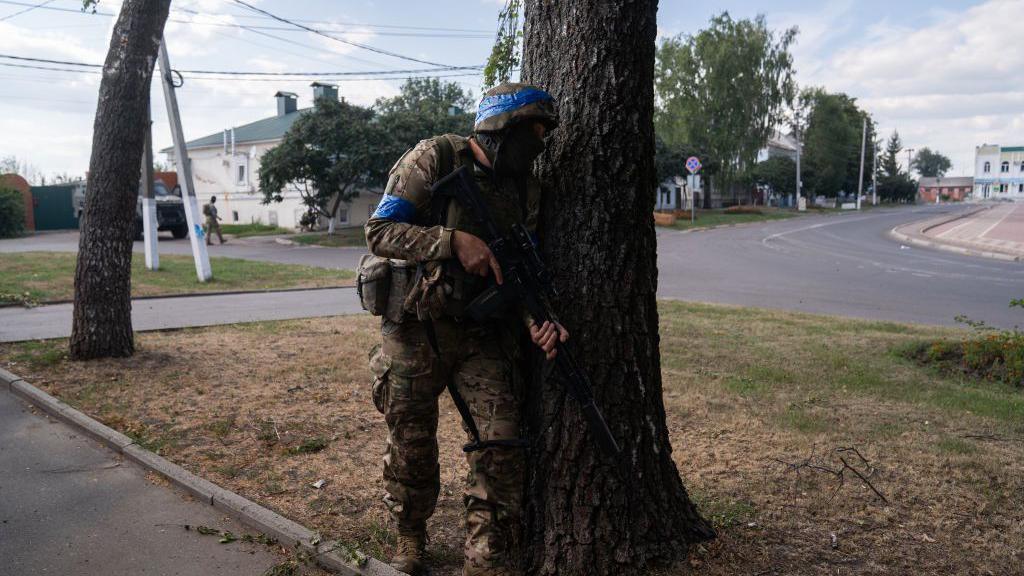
{"x": 395, "y": 209}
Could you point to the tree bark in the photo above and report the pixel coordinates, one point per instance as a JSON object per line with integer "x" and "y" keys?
{"x": 584, "y": 515}
{"x": 102, "y": 323}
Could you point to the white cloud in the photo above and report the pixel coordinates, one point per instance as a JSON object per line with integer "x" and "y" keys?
{"x": 950, "y": 84}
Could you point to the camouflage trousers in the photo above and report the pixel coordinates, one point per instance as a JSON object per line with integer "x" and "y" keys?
{"x": 212, "y": 225}
{"x": 408, "y": 381}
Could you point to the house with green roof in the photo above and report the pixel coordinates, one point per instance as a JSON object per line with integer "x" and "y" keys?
{"x": 226, "y": 165}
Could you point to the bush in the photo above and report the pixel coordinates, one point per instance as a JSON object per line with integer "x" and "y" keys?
{"x": 739, "y": 209}
{"x": 12, "y": 213}
{"x": 991, "y": 354}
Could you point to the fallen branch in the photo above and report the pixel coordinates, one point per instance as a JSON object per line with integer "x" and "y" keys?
{"x": 839, "y": 473}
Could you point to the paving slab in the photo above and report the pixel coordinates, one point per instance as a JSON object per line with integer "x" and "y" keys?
{"x": 71, "y": 507}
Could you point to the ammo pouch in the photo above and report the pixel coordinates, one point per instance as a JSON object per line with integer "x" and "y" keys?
{"x": 373, "y": 283}
{"x": 383, "y": 284}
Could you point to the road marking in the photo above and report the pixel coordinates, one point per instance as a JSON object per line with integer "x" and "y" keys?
{"x": 998, "y": 222}
{"x": 957, "y": 227}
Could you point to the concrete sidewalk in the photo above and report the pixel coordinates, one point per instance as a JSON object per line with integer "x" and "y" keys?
{"x": 69, "y": 506}
{"x": 993, "y": 231}
{"x": 17, "y": 324}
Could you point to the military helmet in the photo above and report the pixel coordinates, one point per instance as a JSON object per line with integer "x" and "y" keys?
{"x": 509, "y": 103}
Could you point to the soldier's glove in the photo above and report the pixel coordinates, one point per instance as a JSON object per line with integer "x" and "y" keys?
{"x": 427, "y": 297}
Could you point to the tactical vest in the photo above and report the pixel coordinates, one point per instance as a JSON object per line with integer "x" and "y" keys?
{"x": 509, "y": 203}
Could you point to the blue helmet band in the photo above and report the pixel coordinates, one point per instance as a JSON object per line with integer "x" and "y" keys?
{"x": 502, "y": 103}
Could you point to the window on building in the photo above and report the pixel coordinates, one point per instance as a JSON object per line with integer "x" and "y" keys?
{"x": 243, "y": 174}
{"x": 372, "y": 209}
{"x": 1004, "y": 167}
{"x": 1020, "y": 188}
{"x": 343, "y": 216}
{"x": 234, "y": 215}
{"x": 1022, "y": 166}
{"x": 988, "y": 167}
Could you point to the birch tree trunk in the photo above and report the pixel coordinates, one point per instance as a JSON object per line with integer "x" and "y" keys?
{"x": 584, "y": 515}
{"x": 102, "y": 323}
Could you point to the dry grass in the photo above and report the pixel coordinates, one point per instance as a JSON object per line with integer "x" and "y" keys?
{"x": 267, "y": 409}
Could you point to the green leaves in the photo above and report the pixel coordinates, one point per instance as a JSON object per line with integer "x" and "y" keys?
{"x": 327, "y": 155}
{"x": 929, "y": 163}
{"x": 724, "y": 89}
{"x": 506, "y": 54}
{"x": 832, "y": 142}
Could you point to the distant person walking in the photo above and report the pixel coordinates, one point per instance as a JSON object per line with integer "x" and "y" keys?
{"x": 212, "y": 221}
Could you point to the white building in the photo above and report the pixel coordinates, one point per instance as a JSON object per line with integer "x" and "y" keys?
{"x": 999, "y": 172}
{"x": 678, "y": 193}
{"x": 226, "y": 165}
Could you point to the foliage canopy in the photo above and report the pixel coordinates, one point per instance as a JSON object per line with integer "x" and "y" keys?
{"x": 724, "y": 89}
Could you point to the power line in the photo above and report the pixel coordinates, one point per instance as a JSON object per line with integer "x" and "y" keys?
{"x": 255, "y": 73}
{"x": 336, "y": 39}
{"x": 189, "y": 11}
{"x": 275, "y": 79}
{"x": 29, "y": 9}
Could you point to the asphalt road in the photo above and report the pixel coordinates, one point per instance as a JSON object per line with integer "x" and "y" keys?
{"x": 71, "y": 507}
{"x": 844, "y": 264}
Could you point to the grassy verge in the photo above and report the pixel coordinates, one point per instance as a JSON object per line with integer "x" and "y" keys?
{"x": 243, "y": 230}
{"x": 758, "y": 402}
{"x": 713, "y": 218}
{"x": 39, "y": 277}
{"x": 347, "y": 237}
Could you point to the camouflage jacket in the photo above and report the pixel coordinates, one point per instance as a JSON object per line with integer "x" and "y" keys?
{"x": 400, "y": 228}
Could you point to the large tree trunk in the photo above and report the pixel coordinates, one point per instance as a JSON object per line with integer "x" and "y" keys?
{"x": 102, "y": 324}
{"x": 584, "y": 515}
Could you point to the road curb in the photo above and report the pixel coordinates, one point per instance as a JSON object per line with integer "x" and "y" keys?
{"x": 947, "y": 247}
{"x": 287, "y": 532}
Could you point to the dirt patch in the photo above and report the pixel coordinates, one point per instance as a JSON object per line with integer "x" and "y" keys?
{"x": 758, "y": 404}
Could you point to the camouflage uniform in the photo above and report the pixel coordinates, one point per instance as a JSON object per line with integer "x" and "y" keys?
{"x": 478, "y": 357}
{"x": 212, "y": 223}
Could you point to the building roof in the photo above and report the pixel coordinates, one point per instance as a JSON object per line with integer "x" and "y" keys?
{"x": 272, "y": 128}
{"x": 1013, "y": 148}
{"x": 946, "y": 182}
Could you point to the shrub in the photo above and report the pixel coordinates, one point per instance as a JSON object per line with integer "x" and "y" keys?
{"x": 990, "y": 354}
{"x": 12, "y": 213}
{"x": 739, "y": 209}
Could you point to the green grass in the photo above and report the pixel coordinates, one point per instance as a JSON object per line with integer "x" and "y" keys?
{"x": 713, "y": 218}
{"x": 39, "y": 277}
{"x": 243, "y": 230}
{"x": 781, "y": 359}
{"x": 309, "y": 446}
{"x": 347, "y": 237}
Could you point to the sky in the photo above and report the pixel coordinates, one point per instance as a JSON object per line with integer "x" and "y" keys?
{"x": 944, "y": 73}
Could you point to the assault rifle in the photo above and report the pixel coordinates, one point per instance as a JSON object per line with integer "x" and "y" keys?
{"x": 526, "y": 282}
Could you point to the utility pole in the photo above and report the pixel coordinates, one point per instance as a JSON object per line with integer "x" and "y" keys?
{"x": 149, "y": 219}
{"x": 874, "y": 173}
{"x": 184, "y": 168}
{"x": 799, "y": 146}
{"x": 910, "y": 156}
{"x": 863, "y": 148}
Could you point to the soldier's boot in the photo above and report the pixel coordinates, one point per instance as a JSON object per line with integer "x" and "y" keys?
{"x": 411, "y": 554}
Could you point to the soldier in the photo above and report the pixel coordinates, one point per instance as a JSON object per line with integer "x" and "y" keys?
{"x": 212, "y": 221}
{"x": 430, "y": 346}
